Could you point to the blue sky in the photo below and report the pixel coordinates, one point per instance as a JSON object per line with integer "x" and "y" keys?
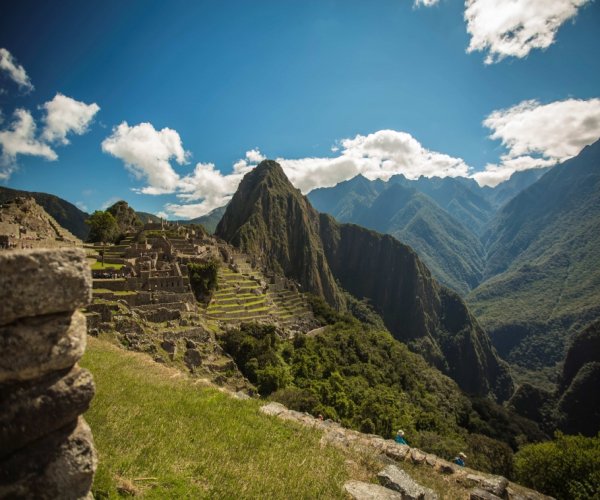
{"x": 183, "y": 98}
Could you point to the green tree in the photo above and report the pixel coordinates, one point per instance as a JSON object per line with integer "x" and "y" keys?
{"x": 567, "y": 467}
{"x": 203, "y": 278}
{"x": 103, "y": 227}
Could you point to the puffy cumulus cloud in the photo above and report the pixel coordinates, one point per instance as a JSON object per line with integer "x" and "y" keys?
{"x": 539, "y": 135}
{"x": 20, "y": 139}
{"x": 514, "y": 27}
{"x": 209, "y": 186}
{"x": 147, "y": 153}
{"x": 65, "y": 115}
{"x": 377, "y": 156}
{"x": 15, "y": 71}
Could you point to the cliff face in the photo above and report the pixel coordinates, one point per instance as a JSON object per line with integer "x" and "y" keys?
{"x": 431, "y": 319}
{"x": 269, "y": 218}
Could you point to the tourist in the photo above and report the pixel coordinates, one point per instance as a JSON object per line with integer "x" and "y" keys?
{"x": 460, "y": 459}
{"x": 400, "y": 437}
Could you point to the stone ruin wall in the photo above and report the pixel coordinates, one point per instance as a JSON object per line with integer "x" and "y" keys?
{"x": 46, "y": 447}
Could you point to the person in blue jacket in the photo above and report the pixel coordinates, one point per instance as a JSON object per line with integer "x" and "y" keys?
{"x": 400, "y": 438}
{"x": 460, "y": 459}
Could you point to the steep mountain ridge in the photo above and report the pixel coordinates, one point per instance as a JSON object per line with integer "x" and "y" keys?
{"x": 543, "y": 264}
{"x": 269, "y": 218}
{"x": 452, "y": 252}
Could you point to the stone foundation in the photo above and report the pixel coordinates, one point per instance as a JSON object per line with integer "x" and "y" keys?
{"x": 46, "y": 448}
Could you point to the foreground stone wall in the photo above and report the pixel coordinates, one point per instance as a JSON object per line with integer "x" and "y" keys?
{"x": 46, "y": 448}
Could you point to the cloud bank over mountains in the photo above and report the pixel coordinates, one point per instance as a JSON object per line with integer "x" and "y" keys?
{"x": 534, "y": 135}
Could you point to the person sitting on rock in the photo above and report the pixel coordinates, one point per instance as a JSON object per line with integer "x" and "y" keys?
{"x": 460, "y": 459}
{"x": 400, "y": 437}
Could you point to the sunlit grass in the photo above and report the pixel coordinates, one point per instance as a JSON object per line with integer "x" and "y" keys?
{"x": 160, "y": 435}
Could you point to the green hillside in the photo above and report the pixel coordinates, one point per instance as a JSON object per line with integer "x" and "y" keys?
{"x": 543, "y": 264}
{"x": 209, "y": 221}
{"x": 451, "y": 251}
{"x": 160, "y": 435}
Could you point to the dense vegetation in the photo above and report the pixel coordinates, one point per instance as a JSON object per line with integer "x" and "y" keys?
{"x": 126, "y": 217}
{"x": 567, "y": 468}
{"x": 203, "y": 278}
{"x": 363, "y": 378}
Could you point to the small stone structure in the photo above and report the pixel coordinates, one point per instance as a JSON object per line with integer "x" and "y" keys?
{"x": 46, "y": 448}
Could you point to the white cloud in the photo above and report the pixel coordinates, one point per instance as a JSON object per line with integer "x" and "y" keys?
{"x": 81, "y": 206}
{"x": 147, "y": 153}
{"x": 505, "y": 28}
{"x": 65, "y": 115}
{"x": 539, "y": 135}
{"x": 425, "y": 3}
{"x": 162, "y": 215}
{"x": 254, "y": 156}
{"x": 377, "y": 156}
{"x": 19, "y": 139}
{"x": 15, "y": 71}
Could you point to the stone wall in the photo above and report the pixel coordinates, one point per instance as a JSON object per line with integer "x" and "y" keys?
{"x": 46, "y": 447}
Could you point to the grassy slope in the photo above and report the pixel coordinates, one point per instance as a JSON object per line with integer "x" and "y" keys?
{"x": 161, "y": 435}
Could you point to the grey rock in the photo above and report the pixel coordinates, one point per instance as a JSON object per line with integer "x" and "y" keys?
{"x": 190, "y": 344}
{"x": 496, "y": 485}
{"x": 417, "y": 456}
{"x": 169, "y": 346}
{"x": 431, "y": 460}
{"x": 60, "y": 465}
{"x": 273, "y": 409}
{"x": 192, "y": 358}
{"x": 38, "y": 407}
{"x": 31, "y": 347}
{"x": 60, "y": 281}
{"x": 480, "y": 494}
{"x": 394, "y": 478}
{"x": 368, "y": 491}
{"x": 396, "y": 451}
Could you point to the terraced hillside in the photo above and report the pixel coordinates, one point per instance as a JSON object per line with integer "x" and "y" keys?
{"x": 245, "y": 294}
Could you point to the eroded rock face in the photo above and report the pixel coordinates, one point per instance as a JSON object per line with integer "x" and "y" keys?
{"x": 46, "y": 448}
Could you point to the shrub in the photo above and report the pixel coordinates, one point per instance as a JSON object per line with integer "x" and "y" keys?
{"x": 567, "y": 467}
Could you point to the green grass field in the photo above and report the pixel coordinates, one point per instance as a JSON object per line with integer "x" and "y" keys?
{"x": 97, "y": 266}
{"x": 160, "y": 434}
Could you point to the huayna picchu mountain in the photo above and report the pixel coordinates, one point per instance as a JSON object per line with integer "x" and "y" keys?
{"x": 270, "y": 219}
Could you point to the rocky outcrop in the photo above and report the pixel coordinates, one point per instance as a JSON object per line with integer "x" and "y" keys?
{"x": 46, "y": 448}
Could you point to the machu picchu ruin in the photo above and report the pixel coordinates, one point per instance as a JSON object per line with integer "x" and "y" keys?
{"x": 25, "y": 224}
{"x": 144, "y": 299}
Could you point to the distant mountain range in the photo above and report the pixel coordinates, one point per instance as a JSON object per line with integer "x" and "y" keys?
{"x": 270, "y": 219}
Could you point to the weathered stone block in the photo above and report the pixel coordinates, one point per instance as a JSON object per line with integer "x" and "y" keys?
{"x": 31, "y": 347}
{"x": 38, "y": 407}
{"x": 60, "y": 465}
{"x": 396, "y": 451}
{"x": 43, "y": 281}
{"x": 368, "y": 491}
{"x": 393, "y": 478}
{"x": 192, "y": 358}
{"x": 417, "y": 456}
{"x": 479, "y": 494}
